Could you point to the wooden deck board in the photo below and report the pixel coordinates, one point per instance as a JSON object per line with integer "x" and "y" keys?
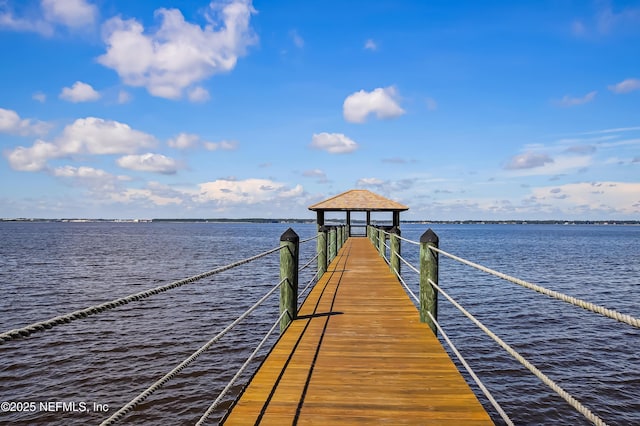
{"x": 358, "y": 354}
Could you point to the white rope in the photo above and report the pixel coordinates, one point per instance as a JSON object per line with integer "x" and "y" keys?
{"x": 411, "y": 293}
{"x": 308, "y": 239}
{"x": 308, "y": 284}
{"x": 413, "y": 268}
{"x": 119, "y": 415}
{"x": 627, "y": 319}
{"x": 306, "y": 265}
{"x": 546, "y": 380}
{"x": 215, "y": 403}
{"x": 92, "y": 310}
{"x": 402, "y": 238}
{"x": 476, "y": 379}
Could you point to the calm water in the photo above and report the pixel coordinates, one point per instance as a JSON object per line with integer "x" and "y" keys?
{"x": 48, "y": 269}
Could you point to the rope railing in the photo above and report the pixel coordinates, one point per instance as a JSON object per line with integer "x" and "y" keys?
{"x": 96, "y": 309}
{"x": 122, "y": 412}
{"x": 241, "y": 370}
{"x": 306, "y": 265}
{"x": 313, "y": 278}
{"x": 539, "y": 374}
{"x": 610, "y": 313}
{"x": 455, "y": 350}
{"x": 401, "y": 238}
{"x": 555, "y": 387}
{"x": 309, "y": 239}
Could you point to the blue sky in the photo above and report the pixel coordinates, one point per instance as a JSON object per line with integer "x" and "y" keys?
{"x": 461, "y": 110}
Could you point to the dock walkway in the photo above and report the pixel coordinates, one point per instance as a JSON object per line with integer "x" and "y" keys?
{"x": 357, "y": 353}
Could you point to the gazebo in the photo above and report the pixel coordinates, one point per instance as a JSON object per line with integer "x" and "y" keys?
{"x": 358, "y": 200}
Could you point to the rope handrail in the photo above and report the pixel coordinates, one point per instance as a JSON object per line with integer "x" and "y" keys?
{"x": 306, "y": 265}
{"x": 309, "y": 239}
{"x": 401, "y": 238}
{"x": 610, "y": 313}
{"x": 96, "y": 309}
{"x": 215, "y": 403}
{"x": 539, "y": 374}
{"x": 413, "y": 268}
{"x": 308, "y": 285}
{"x": 475, "y": 378}
{"x": 481, "y": 385}
{"x": 119, "y": 415}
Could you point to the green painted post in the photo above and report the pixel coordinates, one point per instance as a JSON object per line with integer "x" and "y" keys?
{"x": 381, "y": 240}
{"x": 394, "y": 256}
{"x": 338, "y": 238}
{"x": 428, "y": 271}
{"x": 290, "y": 242}
{"x": 321, "y": 248}
{"x": 332, "y": 243}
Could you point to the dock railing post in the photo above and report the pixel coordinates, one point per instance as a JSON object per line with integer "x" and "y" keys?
{"x": 338, "y": 238}
{"x": 321, "y": 248}
{"x": 428, "y": 271}
{"x": 381, "y": 241}
{"x": 289, "y": 243}
{"x": 394, "y": 256}
{"x": 332, "y": 244}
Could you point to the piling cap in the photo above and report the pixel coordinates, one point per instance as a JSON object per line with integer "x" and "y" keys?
{"x": 429, "y": 237}
{"x": 290, "y": 236}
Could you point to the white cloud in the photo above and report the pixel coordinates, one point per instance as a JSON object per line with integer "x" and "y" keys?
{"x": 626, "y": 86}
{"x": 568, "y": 101}
{"x": 184, "y": 141}
{"x": 85, "y": 136}
{"x": 370, "y": 45}
{"x": 222, "y": 145}
{"x": 149, "y": 162}
{"x": 528, "y": 160}
{"x": 227, "y": 192}
{"x": 40, "y": 97}
{"x": 601, "y": 197}
{"x": 72, "y": 13}
{"x": 333, "y": 143}
{"x": 124, "y": 97}
{"x": 297, "y": 39}
{"x": 79, "y": 92}
{"x": 10, "y": 122}
{"x": 532, "y": 164}
{"x": 314, "y": 173}
{"x": 383, "y": 102}
{"x": 178, "y": 54}
{"x": 370, "y": 182}
{"x": 32, "y": 159}
{"x": 198, "y": 94}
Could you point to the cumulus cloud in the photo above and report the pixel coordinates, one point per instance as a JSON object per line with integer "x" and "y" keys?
{"x": 89, "y": 135}
{"x": 626, "y": 86}
{"x": 227, "y": 192}
{"x": 333, "y": 143}
{"x": 73, "y": 14}
{"x": 222, "y": 145}
{"x": 79, "y": 92}
{"x": 198, "y": 94}
{"x": 585, "y": 197}
{"x": 10, "y": 122}
{"x": 568, "y": 101}
{"x": 178, "y": 54}
{"x": 296, "y": 38}
{"x": 370, "y": 182}
{"x": 370, "y": 45}
{"x": 149, "y": 162}
{"x": 528, "y": 160}
{"x": 383, "y": 102}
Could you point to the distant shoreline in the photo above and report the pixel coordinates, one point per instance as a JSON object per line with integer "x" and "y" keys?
{"x": 357, "y": 223}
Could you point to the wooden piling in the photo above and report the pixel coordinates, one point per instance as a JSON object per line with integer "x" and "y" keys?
{"x": 381, "y": 240}
{"x": 394, "y": 255}
{"x": 321, "y": 248}
{"x": 332, "y": 243}
{"x": 289, "y": 243}
{"x": 428, "y": 271}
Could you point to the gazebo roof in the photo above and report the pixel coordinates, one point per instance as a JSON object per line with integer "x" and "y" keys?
{"x": 358, "y": 200}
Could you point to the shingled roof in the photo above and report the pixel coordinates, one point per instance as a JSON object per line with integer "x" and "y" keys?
{"x": 358, "y": 200}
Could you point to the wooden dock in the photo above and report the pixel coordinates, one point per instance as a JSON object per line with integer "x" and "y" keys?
{"x": 358, "y": 354}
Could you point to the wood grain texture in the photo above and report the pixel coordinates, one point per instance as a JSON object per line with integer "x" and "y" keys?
{"x": 358, "y": 354}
